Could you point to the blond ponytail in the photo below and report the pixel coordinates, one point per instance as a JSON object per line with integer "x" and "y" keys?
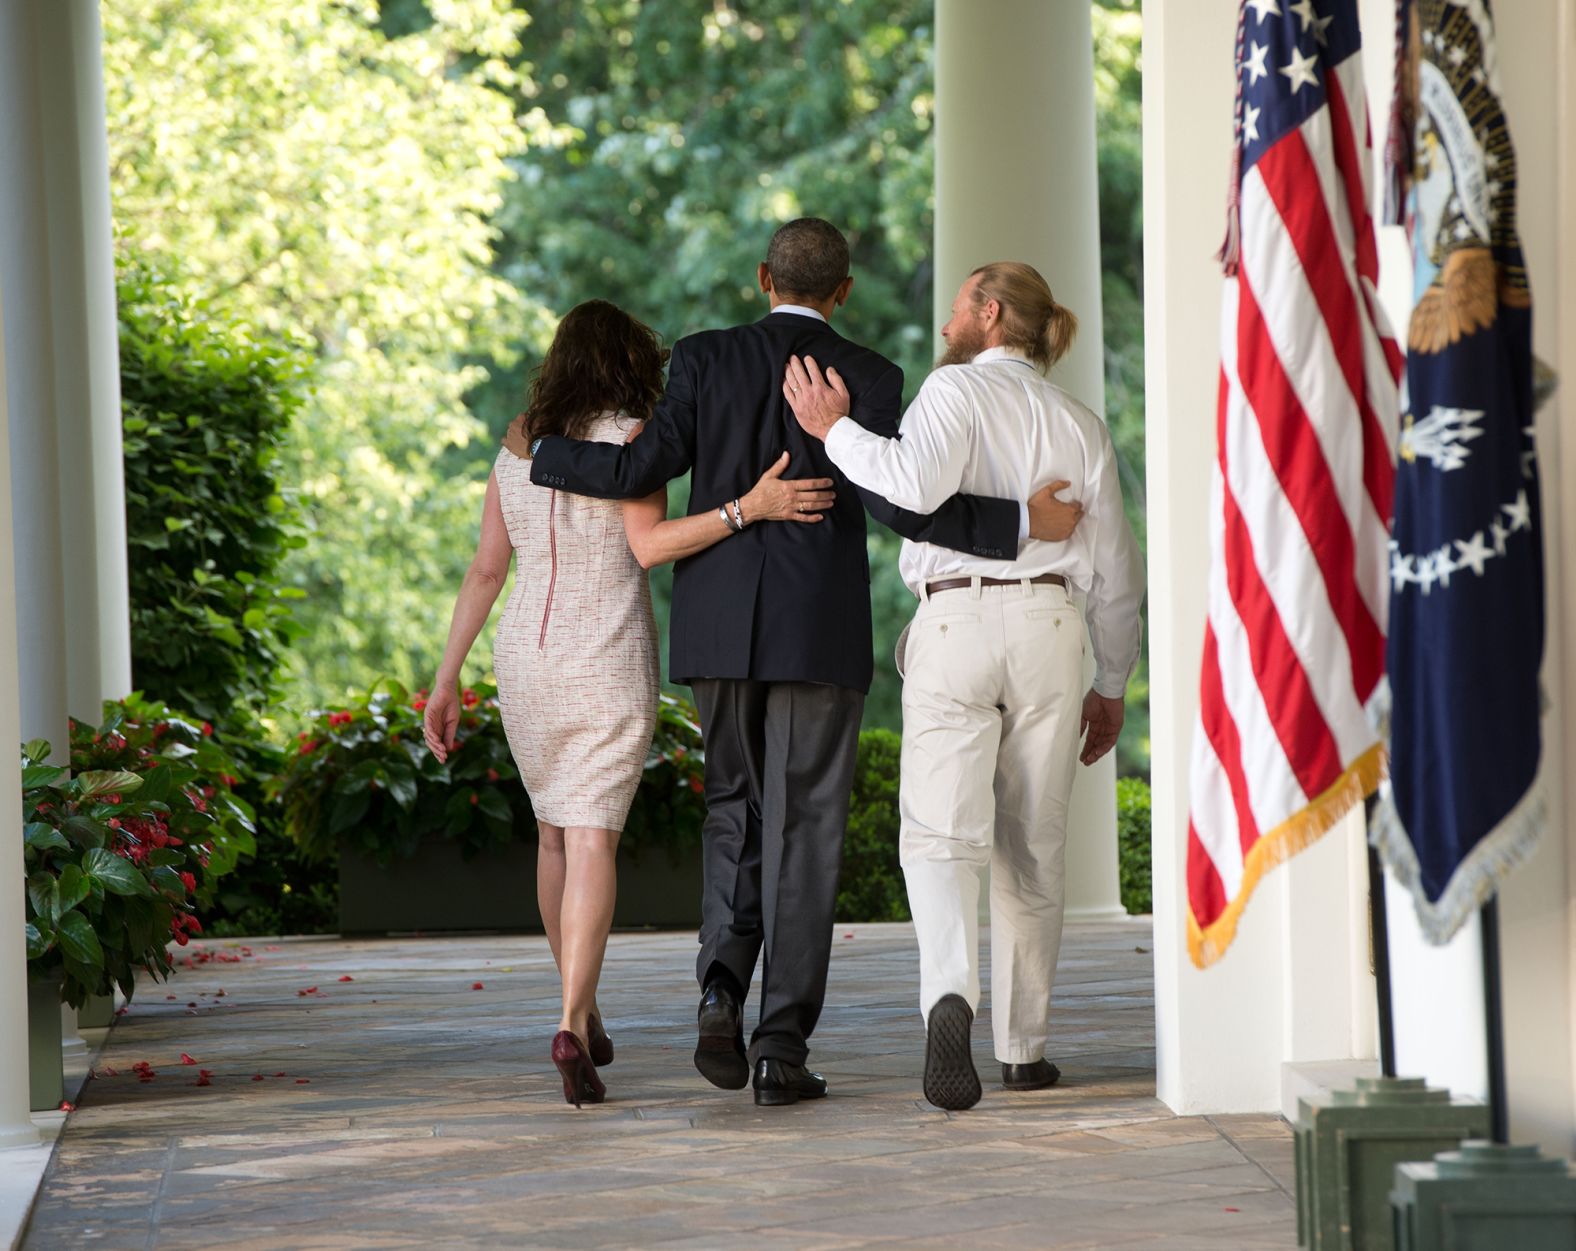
{"x": 1060, "y": 328}
{"x": 1032, "y": 321}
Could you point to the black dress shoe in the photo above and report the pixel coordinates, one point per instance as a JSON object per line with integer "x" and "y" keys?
{"x": 777, "y": 1082}
{"x": 951, "y": 1081}
{"x": 1036, "y": 1076}
{"x": 719, "y": 1051}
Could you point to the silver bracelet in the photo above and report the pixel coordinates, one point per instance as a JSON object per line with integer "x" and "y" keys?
{"x": 738, "y": 515}
{"x": 727, "y": 520}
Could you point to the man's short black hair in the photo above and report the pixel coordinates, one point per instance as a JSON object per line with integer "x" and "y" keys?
{"x": 808, "y": 258}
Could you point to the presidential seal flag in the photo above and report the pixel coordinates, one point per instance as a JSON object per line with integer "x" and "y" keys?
{"x": 1466, "y": 561}
{"x": 1301, "y": 492}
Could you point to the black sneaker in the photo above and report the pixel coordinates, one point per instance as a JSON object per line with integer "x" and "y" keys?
{"x": 951, "y": 1081}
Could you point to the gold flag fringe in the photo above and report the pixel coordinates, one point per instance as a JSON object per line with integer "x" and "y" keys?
{"x": 1206, "y": 944}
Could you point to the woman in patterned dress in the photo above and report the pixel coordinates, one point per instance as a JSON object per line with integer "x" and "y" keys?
{"x": 576, "y": 650}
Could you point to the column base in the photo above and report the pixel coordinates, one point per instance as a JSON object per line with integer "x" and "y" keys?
{"x": 1485, "y": 1195}
{"x": 1348, "y": 1147}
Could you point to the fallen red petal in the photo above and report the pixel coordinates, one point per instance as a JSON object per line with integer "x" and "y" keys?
{"x": 281, "y": 1075}
{"x": 67, "y": 1106}
{"x": 257, "y": 1077}
{"x": 347, "y": 978}
{"x": 477, "y": 986}
{"x": 202, "y": 1081}
{"x": 303, "y": 1081}
{"x": 1231, "y": 1209}
{"x": 186, "y": 1059}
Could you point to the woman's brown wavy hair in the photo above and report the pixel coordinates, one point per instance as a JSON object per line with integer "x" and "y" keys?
{"x": 601, "y": 360}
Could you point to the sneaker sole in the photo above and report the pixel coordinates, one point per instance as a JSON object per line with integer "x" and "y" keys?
{"x": 951, "y": 1081}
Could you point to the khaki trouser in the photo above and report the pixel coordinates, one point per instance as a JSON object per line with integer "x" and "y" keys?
{"x": 992, "y": 692}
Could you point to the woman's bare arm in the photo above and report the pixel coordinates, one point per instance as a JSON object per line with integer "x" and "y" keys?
{"x": 478, "y": 592}
{"x": 655, "y": 540}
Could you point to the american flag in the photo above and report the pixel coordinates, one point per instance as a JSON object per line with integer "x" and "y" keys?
{"x": 1300, "y": 501}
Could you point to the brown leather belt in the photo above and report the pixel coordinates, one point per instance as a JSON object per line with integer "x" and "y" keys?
{"x": 956, "y": 584}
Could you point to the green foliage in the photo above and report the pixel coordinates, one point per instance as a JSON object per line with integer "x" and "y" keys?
{"x": 206, "y": 407}
{"x": 1133, "y": 844}
{"x": 871, "y": 887}
{"x": 312, "y": 175}
{"x": 120, "y": 849}
{"x": 362, "y": 777}
{"x": 280, "y": 890}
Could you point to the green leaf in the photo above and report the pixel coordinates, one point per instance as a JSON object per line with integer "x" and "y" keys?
{"x": 72, "y": 887}
{"x": 402, "y": 786}
{"x": 34, "y": 750}
{"x": 97, "y": 782}
{"x": 35, "y": 776}
{"x": 348, "y": 809}
{"x": 117, "y": 874}
{"x": 84, "y": 831}
{"x": 79, "y": 942}
{"x": 493, "y": 804}
{"x": 45, "y": 837}
{"x": 38, "y": 943}
{"x": 43, "y": 892}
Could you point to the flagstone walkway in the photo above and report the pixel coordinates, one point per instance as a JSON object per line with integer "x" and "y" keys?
{"x": 396, "y": 1094}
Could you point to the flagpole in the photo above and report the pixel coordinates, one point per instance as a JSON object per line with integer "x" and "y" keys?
{"x": 1494, "y": 1021}
{"x": 1379, "y": 936}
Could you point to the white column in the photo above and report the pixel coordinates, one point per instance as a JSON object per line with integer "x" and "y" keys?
{"x": 25, "y": 283}
{"x": 1015, "y": 180}
{"x": 57, "y": 261}
{"x": 1219, "y": 1031}
{"x": 87, "y": 359}
{"x": 16, "y": 1127}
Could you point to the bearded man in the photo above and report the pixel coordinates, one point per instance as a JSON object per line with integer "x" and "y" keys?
{"x": 993, "y": 701}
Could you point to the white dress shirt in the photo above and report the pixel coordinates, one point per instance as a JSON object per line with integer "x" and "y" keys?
{"x": 997, "y": 426}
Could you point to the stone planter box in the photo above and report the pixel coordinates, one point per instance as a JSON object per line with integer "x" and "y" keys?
{"x": 46, "y": 1078}
{"x": 437, "y": 890}
{"x": 97, "y": 1013}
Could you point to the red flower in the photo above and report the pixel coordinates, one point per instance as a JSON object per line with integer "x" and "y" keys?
{"x": 492, "y": 775}
{"x": 475, "y": 798}
{"x": 193, "y": 924}
{"x": 308, "y": 747}
{"x": 229, "y": 780}
{"x": 697, "y": 785}
{"x": 180, "y": 939}
{"x": 419, "y": 704}
{"x": 341, "y": 718}
{"x": 189, "y": 881}
{"x": 207, "y": 729}
{"x": 114, "y": 823}
{"x": 470, "y": 698}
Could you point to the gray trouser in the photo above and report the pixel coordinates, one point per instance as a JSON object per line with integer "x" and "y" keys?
{"x": 779, "y": 769}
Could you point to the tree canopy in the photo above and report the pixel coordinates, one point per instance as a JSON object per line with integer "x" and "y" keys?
{"x": 421, "y": 186}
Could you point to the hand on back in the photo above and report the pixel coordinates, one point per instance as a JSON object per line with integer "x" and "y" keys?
{"x": 1050, "y": 519}
{"x": 818, "y": 401}
{"x": 775, "y": 499}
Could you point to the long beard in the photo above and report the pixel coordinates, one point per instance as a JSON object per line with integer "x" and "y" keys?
{"x": 963, "y": 347}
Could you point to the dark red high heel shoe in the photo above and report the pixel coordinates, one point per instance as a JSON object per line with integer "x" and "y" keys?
{"x": 598, "y": 1043}
{"x": 581, "y": 1084}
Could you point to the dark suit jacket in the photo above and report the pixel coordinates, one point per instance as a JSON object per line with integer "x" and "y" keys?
{"x": 782, "y": 602}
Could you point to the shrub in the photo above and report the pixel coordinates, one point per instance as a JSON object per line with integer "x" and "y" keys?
{"x": 1132, "y": 833}
{"x": 362, "y": 775}
{"x": 205, "y": 409}
{"x": 121, "y": 848}
{"x": 871, "y": 886}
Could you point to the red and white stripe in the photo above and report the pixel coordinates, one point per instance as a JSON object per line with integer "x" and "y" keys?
{"x": 1299, "y": 516}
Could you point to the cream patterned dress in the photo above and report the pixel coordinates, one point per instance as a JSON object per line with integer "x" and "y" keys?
{"x": 576, "y": 650}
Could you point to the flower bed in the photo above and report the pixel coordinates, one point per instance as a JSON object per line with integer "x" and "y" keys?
{"x": 122, "y": 847}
